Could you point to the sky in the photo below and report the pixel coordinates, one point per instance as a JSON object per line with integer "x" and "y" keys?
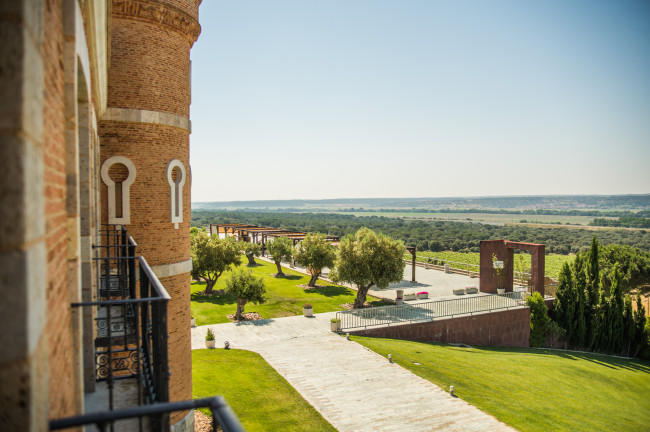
{"x": 319, "y": 99}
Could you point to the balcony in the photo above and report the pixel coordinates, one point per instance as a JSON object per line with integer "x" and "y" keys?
{"x": 130, "y": 359}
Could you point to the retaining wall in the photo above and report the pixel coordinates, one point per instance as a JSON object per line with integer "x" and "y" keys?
{"x": 503, "y": 328}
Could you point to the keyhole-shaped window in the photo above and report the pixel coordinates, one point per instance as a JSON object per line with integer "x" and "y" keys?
{"x": 176, "y": 179}
{"x": 118, "y": 173}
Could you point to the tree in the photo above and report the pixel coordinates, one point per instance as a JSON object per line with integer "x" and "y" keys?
{"x": 315, "y": 253}
{"x": 581, "y": 312}
{"x": 280, "y": 249}
{"x": 628, "y": 325}
{"x": 247, "y": 288}
{"x": 639, "y": 326}
{"x": 211, "y": 256}
{"x": 593, "y": 293}
{"x": 565, "y": 302}
{"x": 251, "y": 250}
{"x": 366, "y": 259}
{"x": 539, "y": 320}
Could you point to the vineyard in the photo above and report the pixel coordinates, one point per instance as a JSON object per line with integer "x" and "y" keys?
{"x": 470, "y": 261}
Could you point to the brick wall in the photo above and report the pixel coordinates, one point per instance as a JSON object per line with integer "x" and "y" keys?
{"x": 63, "y": 398}
{"x": 150, "y": 70}
{"x": 504, "y": 328}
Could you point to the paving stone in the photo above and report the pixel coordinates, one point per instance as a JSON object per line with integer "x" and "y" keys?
{"x": 354, "y": 388}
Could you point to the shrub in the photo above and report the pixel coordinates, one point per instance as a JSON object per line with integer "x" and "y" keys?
{"x": 539, "y": 320}
{"x": 307, "y": 306}
{"x": 209, "y": 336}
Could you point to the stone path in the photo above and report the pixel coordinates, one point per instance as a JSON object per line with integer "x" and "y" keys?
{"x": 351, "y": 386}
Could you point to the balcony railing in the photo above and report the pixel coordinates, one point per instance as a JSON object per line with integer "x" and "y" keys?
{"x": 131, "y": 341}
{"x": 222, "y": 415}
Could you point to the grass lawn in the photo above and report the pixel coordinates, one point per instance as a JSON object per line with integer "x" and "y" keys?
{"x": 534, "y": 390}
{"x": 261, "y": 398}
{"x": 284, "y": 297}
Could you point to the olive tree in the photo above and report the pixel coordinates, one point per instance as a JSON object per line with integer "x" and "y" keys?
{"x": 251, "y": 250}
{"x": 280, "y": 249}
{"x": 366, "y": 259}
{"x": 315, "y": 253}
{"x": 247, "y": 288}
{"x": 211, "y": 256}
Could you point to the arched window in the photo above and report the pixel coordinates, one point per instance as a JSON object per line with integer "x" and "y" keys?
{"x": 118, "y": 173}
{"x": 176, "y": 179}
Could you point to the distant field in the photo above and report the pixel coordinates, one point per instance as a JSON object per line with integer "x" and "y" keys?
{"x": 553, "y": 262}
{"x": 486, "y": 217}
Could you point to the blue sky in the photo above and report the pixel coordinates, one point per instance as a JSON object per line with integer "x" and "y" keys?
{"x": 420, "y": 98}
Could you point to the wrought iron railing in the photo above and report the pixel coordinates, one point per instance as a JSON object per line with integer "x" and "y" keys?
{"x": 130, "y": 320}
{"x": 428, "y": 311}
{"x": 222, "y": 416}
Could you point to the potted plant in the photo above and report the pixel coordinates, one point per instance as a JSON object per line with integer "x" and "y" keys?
{"x": 423, "y": 295}
{"x": 500, "y": 272}
{"x": 335, "y": 324}
{"x": 399, "y": 301}
{"x": 209, "y": 339}
{"x": 307, "y": 310}
{"x": 410, "y": 296}
{"x": 193, "y": 322}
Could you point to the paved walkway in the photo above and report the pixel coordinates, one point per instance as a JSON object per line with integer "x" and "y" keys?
{"x": 351, "y": 386}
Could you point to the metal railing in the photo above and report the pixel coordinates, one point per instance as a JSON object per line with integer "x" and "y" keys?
{"x": 131, "y": 334}
{"x": 428, "y": 311}
{"x": 222, "y": 415}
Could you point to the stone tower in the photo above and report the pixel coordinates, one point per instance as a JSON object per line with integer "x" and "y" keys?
{"x": 145, "y": 166}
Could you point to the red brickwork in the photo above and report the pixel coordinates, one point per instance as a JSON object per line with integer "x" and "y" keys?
{"x": 150, "y": 148}
{"x": 504, "y": 328}
{"x": 503, "y": 250}
{"x": 150, "y": 68}
{"x": 180, "y": 347}
{"x": 62, "y": 396}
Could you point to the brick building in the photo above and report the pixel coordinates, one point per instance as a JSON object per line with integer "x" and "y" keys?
{"x": 95, "y": 138}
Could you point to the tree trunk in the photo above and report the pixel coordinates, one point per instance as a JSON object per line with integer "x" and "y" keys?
{"x": 251, "y": 260}
{"x": 313, "y": 280}
{"x": 279, "y": 273}
{"x": 361, "y": 296}
{"x": 209, "y": 284}
{"x": 240, "y": 308}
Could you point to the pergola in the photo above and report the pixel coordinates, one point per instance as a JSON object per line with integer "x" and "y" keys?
{"x": 260, "y": 235}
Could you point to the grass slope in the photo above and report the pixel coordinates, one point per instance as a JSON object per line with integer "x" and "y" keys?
{"x": 284, "y": 296}
{"x": 261, "y": 398}
{"x": 534, "y": 390}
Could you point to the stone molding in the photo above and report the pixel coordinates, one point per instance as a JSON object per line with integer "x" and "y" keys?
{"x": 173, "y": 269}
{"x": 153, "y": 12}
{"x": 143, "y": 116}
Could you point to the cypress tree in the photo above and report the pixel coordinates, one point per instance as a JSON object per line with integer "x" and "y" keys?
{"x": 616, "y": 312}
{"x": 564, "y": 303}
{"x": 639, "y": 326}
{"x": 581, "y": 310}
{"x": 628, "y": 326}
{"x": 594, "y": 314}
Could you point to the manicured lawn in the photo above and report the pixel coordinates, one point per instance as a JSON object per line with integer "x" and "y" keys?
{"x": 534, "y": 390}
{"x": 284, "y": 296}
{"x": 261, "y": 398}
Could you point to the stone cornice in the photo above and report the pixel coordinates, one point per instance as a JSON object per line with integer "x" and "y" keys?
{"x": 157, "y": 13}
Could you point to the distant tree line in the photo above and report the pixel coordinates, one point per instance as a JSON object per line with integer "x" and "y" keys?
{"x": 627, "y": 222}
{"x": 433, "y": 236}
{"x": 591, "y": 312}
{"x": 550, "y": 212}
